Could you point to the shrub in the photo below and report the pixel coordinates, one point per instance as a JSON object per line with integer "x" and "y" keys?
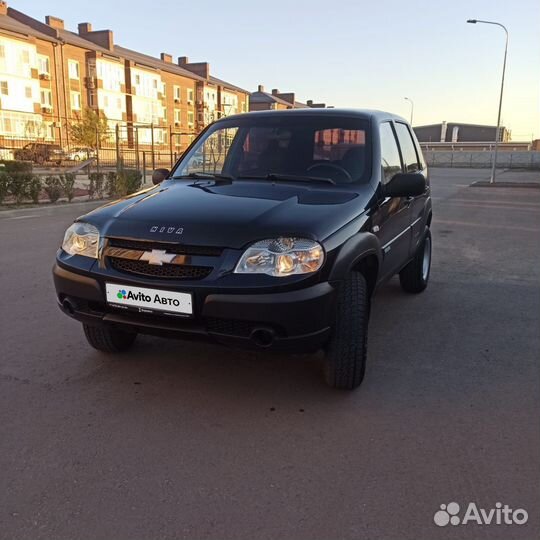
{"x": 53, "y": 188}
{"x": 18, "y": 186}
{"x": 34, "y": 188}
{"x": 4, "y": 186}
{"x": 128, "y": 182}
{"x": 67, "y": 183}
{"x": 112, "y": 190}
{"x": 13, "y": 166}
{"x": 96, "y": 185}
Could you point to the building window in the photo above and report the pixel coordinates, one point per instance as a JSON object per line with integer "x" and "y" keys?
{"x": 28, "y": 92}
{"x": 76, "y": 101}
{"x": 73, "y": 69}
{"x": 43, "y": 65}
{"x": 177, "y": 93}
{"x": 177, "y": 116}
{"x": 190, "y": 118}
{"x": 137, "y": 79}
{"x": 25, "y": 56}
{"x": 154, "y": 82}
{"x": 4, "y": 88}
{"x": 105, "y": 101}
{"x": 49, "y": 130}
{"x": 119, "y": 103}
{"x": 46, "y": 98}
{"x": 190, "y": 95}
{"x": 2, "y": 51}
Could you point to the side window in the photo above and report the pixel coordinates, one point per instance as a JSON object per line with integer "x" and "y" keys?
{"x": 390, "y": 159}
{"x": 408, "y": 149}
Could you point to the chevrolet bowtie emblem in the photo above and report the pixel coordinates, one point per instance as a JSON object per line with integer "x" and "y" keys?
{"x": 157, "y": 256}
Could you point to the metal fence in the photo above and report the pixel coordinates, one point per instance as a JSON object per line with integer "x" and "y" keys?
{"x": 140, "y": 147}
{"x": 480, "y": 160}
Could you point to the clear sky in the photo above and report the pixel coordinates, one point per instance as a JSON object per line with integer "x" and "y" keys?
{"x": 342, "y": 52}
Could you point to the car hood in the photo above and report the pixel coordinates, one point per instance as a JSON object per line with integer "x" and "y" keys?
{"x": 230, "y": 214}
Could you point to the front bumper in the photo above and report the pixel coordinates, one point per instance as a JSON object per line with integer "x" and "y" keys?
{"x": 297, "y": 320}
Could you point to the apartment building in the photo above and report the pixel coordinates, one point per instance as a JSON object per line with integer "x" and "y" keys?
{"x": 276, "y": 100}
{"x": 26, "y": 89}
{"x": 49, "y": 75}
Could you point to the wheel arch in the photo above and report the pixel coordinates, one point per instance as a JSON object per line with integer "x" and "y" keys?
{"x": 368, "y": 266}
{"x": 361, "y": 253}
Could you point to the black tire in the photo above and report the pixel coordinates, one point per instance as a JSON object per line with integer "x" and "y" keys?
{"x": 415, "y": 276}
{"x": 345, "y": 360}
{"x": 108, "y": 339}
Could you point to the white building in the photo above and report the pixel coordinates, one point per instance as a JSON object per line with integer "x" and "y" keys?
{"x": 21, "y": 101}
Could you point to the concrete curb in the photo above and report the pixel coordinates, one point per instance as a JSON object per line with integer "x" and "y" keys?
{"x": 486, "y": 183}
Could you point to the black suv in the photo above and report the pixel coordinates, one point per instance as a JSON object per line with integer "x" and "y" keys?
{"x": 40, "y": 153}
{"x": 273, "y": 230}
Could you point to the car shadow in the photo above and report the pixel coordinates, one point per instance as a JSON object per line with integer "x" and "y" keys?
{"x": 171, "y": 369}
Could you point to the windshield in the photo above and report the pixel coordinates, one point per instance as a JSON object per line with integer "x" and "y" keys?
{"x": 334, "y": 149}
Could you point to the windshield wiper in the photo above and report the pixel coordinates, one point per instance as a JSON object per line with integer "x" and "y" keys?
{"x": 276, "y": 177}
{"x": 204, "y": 176}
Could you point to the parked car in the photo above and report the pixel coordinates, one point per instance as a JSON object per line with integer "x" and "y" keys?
{"x": 41, "y": 153}
{"x": 80, "y": 154}
{"x": 280, "y": 245}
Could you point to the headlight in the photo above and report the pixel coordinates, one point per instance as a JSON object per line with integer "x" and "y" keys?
{"x": 81, "y": 239}
{"x": 281, "y": 257}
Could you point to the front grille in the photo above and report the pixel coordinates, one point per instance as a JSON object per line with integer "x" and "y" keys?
{"x": 178, "y": 249}
{"x": 167, "y": 271}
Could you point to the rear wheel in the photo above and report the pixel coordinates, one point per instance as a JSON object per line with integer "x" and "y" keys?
{"x": 415, "y": 276}
{"x": 109, "y": 339}
{"x": 345, "y": 361}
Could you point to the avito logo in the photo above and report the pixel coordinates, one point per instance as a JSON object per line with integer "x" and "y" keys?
{"x": 500, "y": 515}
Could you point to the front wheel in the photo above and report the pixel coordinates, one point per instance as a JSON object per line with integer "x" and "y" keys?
{"x": 415, "y": 276}
{"x": 108, "y": 338}
{"x": 345, "y": 361}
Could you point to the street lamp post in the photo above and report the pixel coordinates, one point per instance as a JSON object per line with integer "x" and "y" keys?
{"x": 497, "y": 133}
{"x": 412, "y": 107}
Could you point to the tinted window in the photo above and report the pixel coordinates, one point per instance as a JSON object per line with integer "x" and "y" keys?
{"x": 391, "y": 162}
{"x": 408, "y": 150}
{"x": 324, "y": 146}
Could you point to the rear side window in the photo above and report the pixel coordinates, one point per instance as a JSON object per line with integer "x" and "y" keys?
{"x": 390, "y": 159}
{"x": 408, "y": 150}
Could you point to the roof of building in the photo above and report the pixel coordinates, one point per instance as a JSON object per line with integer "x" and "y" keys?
{"x": 156, "y": 63}
{"x": 46, "y": 32}
{"x": 13, "y": 25}
{"x": 221, "y": 82}
{"x": 458, "y": 124}
{"x": 265, "y": 97}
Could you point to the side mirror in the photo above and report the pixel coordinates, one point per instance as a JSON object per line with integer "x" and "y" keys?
{"x": 405, "y": 185}
{"x": 159, "y": 175}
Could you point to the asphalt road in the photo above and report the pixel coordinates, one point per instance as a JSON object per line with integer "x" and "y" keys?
{"x": 186, "y": 440}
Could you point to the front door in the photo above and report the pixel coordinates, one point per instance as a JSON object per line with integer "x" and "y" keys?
{"x": 391, "y": 220}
